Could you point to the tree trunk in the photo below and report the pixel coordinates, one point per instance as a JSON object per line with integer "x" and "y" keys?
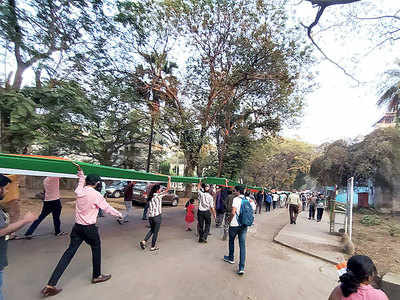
{"x": 188, "y": 171}
{"x": 18, "y": 76}
{"x": 150, "y": 144}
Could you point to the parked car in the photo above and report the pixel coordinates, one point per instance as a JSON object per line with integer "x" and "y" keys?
{"x": 141, "y": 189}
{"x": 116, "y": 189}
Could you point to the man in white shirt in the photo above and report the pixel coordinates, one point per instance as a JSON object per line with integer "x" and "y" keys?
{"x": 236, "y": 230}
{"x": 206, "y": 207}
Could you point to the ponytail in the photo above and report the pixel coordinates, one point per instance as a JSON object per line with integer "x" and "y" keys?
{"x": 349, "y": 284}
{"x": 359, "y": 270}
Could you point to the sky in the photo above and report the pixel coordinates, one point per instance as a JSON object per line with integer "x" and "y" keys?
{"x": 339, "y": 108}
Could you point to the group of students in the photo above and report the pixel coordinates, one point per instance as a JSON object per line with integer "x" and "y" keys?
{"x": 237, "y": 208}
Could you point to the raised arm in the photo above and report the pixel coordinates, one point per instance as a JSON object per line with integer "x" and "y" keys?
{"x": 81, "y": 182}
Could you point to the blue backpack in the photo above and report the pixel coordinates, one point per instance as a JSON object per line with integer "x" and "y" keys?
{"x": 246, "y": 216}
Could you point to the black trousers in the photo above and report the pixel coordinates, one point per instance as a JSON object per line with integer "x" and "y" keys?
{"x": 311, "y": 212}
{"x": 274, "y": 204}
{"x": 49, "y": 207}
{"x": 267, "y": 206}
{"x": 320, "y": 212}
{"x": 258, "y": 206}
{"x": 155, "y": 224}
{"x": 79, "y": 233}
{"x": 293, "y": 212}
{"x": 204, "y": 219}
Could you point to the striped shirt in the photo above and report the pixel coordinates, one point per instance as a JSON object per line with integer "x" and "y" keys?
{"x": 155, "y": 204}
{"x": 206, "y": 201}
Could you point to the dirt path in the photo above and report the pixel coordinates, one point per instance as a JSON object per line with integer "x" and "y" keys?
{"x": 181, "y": 270}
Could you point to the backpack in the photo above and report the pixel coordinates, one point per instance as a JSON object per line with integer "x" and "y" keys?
{"x": 245, "y": 217}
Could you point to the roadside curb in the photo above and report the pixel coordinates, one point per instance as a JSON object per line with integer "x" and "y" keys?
{"x": 276, "y": 240}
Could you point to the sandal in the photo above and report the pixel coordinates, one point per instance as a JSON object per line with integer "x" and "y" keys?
{"x": 101, "y": 278}
{"x": 48, "y": 291}
{"x": 142, "y": 245}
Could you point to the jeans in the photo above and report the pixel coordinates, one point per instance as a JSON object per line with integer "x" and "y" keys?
{"x": 1, "y": 285}
{"x": 320, "y": 212}
{"x": 54, "y": 207}
{"x": 128, "y": 210}
{"x": 274, "y": 204}
{"x": 145, "y": 209}
{"x": 80, "y": 233}
{"x": 204, "y": 219}
{"x": 239, "y": 231}
{"x": 267, "y": 206}
{"x": 293, "y": 212}
{"x": 311, "y": 213}
{"x": 155, "y": 223}
{"x": 226, "y": 224}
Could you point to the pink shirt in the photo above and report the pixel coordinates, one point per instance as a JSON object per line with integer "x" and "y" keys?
{"x": 367, "y": 292}
{"x": 88, "y": 202}
{"x": 51, "y": 188}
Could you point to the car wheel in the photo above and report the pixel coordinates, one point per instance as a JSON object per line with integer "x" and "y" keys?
{"x": 175, "y": 202}
{"x": 117, "y": 194}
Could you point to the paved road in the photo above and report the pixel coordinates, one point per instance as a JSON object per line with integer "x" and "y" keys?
{"x": 181, "y": 270}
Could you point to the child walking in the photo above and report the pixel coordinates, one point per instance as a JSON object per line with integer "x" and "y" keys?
{"x": 189, "y": 214}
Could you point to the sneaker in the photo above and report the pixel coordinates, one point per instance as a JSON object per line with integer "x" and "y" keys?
{"x": 240, "y": 272}
{"x": 61, "y": 233}
{"x": 228, "y": 260}
{"x": 142, "y": 245}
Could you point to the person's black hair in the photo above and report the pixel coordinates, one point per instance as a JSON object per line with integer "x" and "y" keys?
{"x": 247, "y": 194}
{"x": 4, "y": 180}
{"x": 203, "y": 186}
{"x": 239, "y": 189}
{"x": 229, "y": 192}
{"x": 190, "y": 201}
{"x": 359, "y": 269}
{"x": 92, "y": 179}
{"x": 154, "y": 189}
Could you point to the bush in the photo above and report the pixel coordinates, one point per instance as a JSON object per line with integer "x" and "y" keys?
{"x": 371, "y": 220}
{"x": 394, "y": 230}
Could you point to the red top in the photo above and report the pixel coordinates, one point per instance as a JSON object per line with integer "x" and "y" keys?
{"x": 189, "y": 213}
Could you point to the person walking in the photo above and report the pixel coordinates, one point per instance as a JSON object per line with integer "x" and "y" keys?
{"x": 7, "y": 228}
{"x": 206, "y": 207}
{"x": 219, "y": 206}
{"x": 303, "y": 201}
{"x": 355, "y": 284}
{"x": 259, "y": 201}
{"x": 320, "y": 207}
{"x": 242, "y": 212}
{"x": 51, "y": 205}
{"x": 294, "y": 204}
{"x": 189, "y": 218}
{"x": 275, "y": 199}
{"x": 311, "y": 207}
{"x": 268, "y": 200}
{"x": 228, "y": 210}
{"x": 128, "y": 198}
{"x": 156, "y": 194}
{"x": 88, "y": 202}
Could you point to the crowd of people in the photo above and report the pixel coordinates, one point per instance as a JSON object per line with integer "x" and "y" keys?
{"x": 231, "y": 208}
